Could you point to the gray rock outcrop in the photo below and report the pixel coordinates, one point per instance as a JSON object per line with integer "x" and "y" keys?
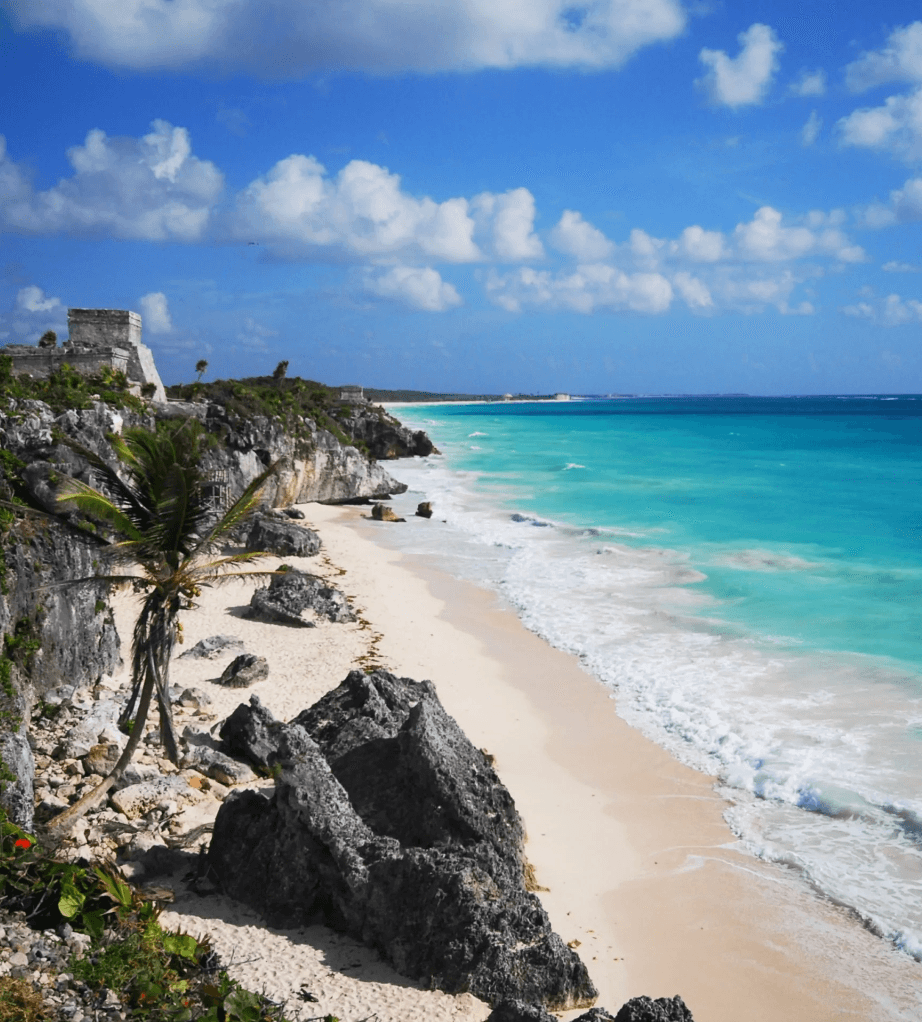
{"x": 663, "y": 1009}
{"x": 282, "y": 538}
{"x": 251, "y": 733}
{"x": 293, "y": 594}
{"x": 383, "y": 435}
{"x": 387, "y": 823}
{"x": 245, "y": 670}
{"x": 212, "y": 647}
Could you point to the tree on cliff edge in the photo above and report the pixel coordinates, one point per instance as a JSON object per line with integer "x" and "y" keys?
{"x": 162, "y": 528}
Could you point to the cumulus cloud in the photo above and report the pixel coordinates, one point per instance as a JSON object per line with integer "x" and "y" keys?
{"x": 151, "y": 188}
{"x": 509, "y": 220}
{"x": 767, "y": 239}
{"x": 361, "y": 211}
{"x": 32, "y": 314}
{"x": 33, "y": 299}
{"x": 810, "y": 132}
{"x": 905, "y": 206}
{"x": 414, "y": 287}
{"x": 809, "y": 83}
{"x": 746, "y": 78}
{"x": 575, "y": 237}
{"x": 587, "y": 289}
{"x": 892, "y": 311}
{"x": 895, "y": 266}
{"x": 699, "y": 245}
{"x": 899, "y": 61}
{"x": 290, "y": 39}
{"x": 894, "y": 127}
{"x": 155, "y": 313}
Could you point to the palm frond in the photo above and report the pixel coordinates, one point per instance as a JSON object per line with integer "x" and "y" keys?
{"x": 92, "y": 502}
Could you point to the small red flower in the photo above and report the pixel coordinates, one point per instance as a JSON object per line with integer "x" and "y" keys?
{"x": 23, "y": 842}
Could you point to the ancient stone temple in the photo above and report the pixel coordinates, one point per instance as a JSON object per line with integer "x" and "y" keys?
{"x": 98, "y": 337}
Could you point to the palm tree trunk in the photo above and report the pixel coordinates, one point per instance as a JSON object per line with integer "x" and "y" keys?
{"x": 92, "y": 798}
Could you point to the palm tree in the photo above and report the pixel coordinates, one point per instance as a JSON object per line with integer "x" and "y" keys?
{"x": 163, "y": 527}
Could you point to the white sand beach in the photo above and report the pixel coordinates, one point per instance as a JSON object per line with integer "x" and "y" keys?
{"x": 641, "y": 868}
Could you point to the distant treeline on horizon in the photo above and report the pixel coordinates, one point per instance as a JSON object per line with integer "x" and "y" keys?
{"x": 419, "y": 396}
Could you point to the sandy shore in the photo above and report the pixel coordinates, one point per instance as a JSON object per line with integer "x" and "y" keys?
{"x": 641, "y": 868}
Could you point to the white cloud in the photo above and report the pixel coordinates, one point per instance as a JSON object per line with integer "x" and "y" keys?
{"x": 151, "y": 188}
{"x": 575, "y": 237}
{"x": 33, "y": 313}
{"x": 694, "y": 292}
{"x": 810, "y": 132}
{"x": 32, "y": 299}
{"x": 905, "y": 206}
{"x": 699, "y": 245}
{"x": 766, "y": 239}
{"x": 892, "y": 311}
{"x": 290, "y": 38}
{"x": 155, "y": 313}
{"x": 899, "y": 61}
{"x": 362, "y": 212}
{"x": 809, "y": 83}
{"x": 587, "y": 289}
{"x": 509, "y": 219}
{"x": 894, "y": 266}
{"x": 895, "y": 127}
{"x": 415, "y": 287}
{"x": 752, "y": 295}
{"x": 746, "y": 78}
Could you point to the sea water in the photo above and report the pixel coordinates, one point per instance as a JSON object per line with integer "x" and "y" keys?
{"x": 745, "y": 574}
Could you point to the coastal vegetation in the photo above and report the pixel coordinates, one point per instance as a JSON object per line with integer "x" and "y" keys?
{"x": 162, "y": 524}
{"x": 66, "y": 389}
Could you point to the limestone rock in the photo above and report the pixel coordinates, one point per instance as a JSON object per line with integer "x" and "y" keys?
{"x": 424, "y": 509}
{"x": 216, "y": 765}
{"x": 663, "y": 1009}
{"x": 282, "y": 538}
{"x": 423, "y": 860}
{"x": 245, "y": 670}
{"x": 292, "y": 594}
{"x": 17, "y": 797}
{"x": 251, "y": 733}
{"x": 194, "y": 698}
{"x": 138, "y": 799}
{"x": 213, "y": 646}
{"x": 383, "y": 513}
{"x": 519, "y": 1011}
{"x": 102, "y": 758}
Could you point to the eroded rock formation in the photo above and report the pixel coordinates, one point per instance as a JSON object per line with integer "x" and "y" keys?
{"x": 387, "y": 823}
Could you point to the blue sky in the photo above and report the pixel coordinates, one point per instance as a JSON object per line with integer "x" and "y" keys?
{"x": 602, "y": 196}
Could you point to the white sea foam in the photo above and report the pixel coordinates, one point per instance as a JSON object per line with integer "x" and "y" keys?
{"x": 816, "y": 750}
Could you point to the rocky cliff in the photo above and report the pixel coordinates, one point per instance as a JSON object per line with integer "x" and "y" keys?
{"x": 54, "y": 634}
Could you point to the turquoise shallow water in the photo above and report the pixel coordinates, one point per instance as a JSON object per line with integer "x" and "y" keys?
{"x": 746, "y": 574}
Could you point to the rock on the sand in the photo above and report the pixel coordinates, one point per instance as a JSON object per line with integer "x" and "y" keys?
{"x": 282, "y": 538}
{"x": 383, "y": 513}
{"x": 245, "y": 670}
{"x": 387, "y": 823}
{"x": 251, "y": 733}
{"x": 292, "y": 594}
{"x": 213, "y": 647}
{"x": 663, "y": 1009}
{"x": 138, "y": 799}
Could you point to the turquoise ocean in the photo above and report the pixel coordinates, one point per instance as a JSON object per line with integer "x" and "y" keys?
{"x": 746, "y": 575}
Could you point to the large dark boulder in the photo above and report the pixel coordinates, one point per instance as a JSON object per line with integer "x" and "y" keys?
{"x": 663, "y": 1009}
{"x": 387, "y": 823}
{"x": 251, "y": 733}
{"x": 292, "y": 594}
{"x": 282, "y": 537}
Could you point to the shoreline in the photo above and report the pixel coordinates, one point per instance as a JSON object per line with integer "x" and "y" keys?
{"x": 642, "y": 869}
